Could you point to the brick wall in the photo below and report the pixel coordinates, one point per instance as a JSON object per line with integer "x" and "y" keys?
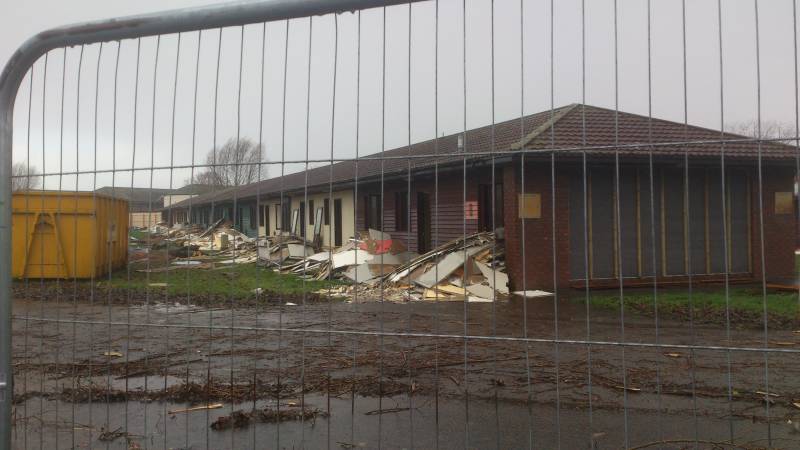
{"x": 779, "y": 229}
{"x": 534, "y": 269}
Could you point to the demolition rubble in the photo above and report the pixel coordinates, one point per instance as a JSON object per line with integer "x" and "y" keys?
{"x": 369, "y": 267}
{"x": 192, "y": 246}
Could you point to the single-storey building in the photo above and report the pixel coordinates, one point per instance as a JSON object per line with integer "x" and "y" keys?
{"x": 178, "y": 195}
{"x": 624, "y": 205}
{"x": 144, "y": 203}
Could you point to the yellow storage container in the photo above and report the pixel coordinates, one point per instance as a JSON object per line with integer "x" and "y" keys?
{"x": 67, "y": 234}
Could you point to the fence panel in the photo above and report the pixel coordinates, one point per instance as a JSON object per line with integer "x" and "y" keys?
{"x": 400, "y": 224}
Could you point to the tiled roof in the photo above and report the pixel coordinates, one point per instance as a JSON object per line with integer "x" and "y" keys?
{"x": 633, "y": 133}
{"x": 133, "y": 194}
{"x": 192, "y": 189}
{"x": 561, "y": 128}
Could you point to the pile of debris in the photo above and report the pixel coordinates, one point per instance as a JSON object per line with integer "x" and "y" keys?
{"x": 194, "y": 246}
{"x": 362, "y": 260}
{"x": 470, "y": 268}
{"x": 222, "y": 240}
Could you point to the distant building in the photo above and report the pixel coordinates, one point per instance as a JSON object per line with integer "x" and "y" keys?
{"x": 185, "y": 193}
{"x": 665, "y": 221}
{"x": 178, "y": 195}
{"x": 145, "y": 204}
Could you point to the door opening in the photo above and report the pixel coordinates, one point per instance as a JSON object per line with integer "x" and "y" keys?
{"x": 337, "y": 222}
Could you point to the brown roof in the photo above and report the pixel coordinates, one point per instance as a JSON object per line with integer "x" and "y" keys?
{"x": 139, "y": 199}
{"x": 606, "y": 131}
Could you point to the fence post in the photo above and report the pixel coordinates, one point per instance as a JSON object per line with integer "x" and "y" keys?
{"x": 7, "y": 94}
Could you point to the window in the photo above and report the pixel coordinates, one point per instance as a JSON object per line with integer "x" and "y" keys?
{"x": 253, "y": 219}
{"x": 372, "y": 212}
{"x": 401, "y": 211}
{"x": 311, "y": 212}
{"x": 326, "y": 214}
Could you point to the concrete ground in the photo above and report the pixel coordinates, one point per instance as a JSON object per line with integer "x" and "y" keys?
{"x": 392, "y": 376}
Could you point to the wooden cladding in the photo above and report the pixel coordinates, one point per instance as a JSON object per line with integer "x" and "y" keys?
{"x": 664, "y": 225}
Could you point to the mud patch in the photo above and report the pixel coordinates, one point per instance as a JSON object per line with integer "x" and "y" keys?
{"x": 241, "y": 419}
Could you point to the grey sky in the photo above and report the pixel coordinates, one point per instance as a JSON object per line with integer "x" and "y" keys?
{"x": 702, "y": 56}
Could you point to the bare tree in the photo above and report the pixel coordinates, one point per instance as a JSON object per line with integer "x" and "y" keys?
{"x": 770, "y": 129}
{"x": 235, "y": 165}
{"x": 24, "y": 177}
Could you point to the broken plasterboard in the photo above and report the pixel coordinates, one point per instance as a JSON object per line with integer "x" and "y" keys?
{"x": 321, "y": 256}
{"x": 532, "y": 294}
{"x": 447, "y": 266}
{"x": 299, "y": 250}
{"x": 350, "y": 258}
{"x": 442, "y": 270}
{"x": 359, "y": 273}
{"x": 498, "y": 280}
{"x": 481, "y": 290}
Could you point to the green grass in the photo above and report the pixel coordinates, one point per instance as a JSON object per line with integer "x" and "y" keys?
{"x": 236, "y": 281}
{"x": 744, "y": 302}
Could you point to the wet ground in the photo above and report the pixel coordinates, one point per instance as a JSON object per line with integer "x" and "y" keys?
{"x": 367, "y": 374}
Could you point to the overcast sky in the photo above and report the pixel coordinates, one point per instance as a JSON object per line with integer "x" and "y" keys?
{"x": 155, "y": 135}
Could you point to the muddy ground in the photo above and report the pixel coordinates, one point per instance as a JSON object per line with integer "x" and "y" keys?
{"x": 115, "y": 371}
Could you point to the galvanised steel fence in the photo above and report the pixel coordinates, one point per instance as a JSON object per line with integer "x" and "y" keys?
{"x": 399, "y": 224}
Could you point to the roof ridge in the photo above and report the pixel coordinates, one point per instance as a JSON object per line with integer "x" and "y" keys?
{"x": 563, "y": 111}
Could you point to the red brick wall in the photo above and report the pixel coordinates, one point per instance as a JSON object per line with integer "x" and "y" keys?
{"x": 535, "y": 269}
{"x": 779, "y": 229}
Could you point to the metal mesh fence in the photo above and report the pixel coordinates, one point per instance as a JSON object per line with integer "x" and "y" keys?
{"x": 435, "y": 224}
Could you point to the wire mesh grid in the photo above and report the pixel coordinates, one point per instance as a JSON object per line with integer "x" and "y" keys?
{"x": 443, "y": 224}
